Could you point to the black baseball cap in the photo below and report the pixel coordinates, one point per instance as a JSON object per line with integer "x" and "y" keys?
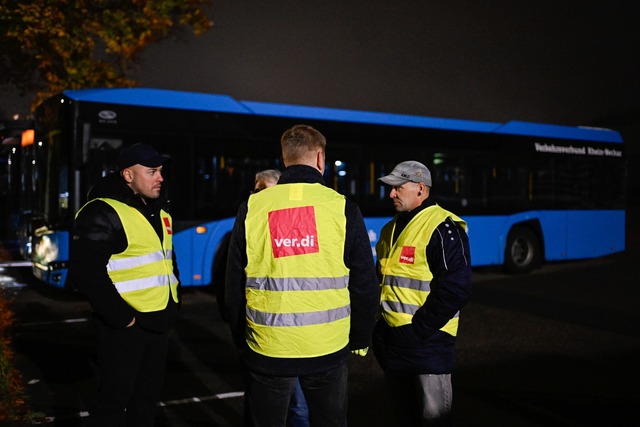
{"x": 142, "y": 154}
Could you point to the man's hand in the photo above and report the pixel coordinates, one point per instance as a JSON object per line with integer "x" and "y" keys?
{"x": 131, "y": 323}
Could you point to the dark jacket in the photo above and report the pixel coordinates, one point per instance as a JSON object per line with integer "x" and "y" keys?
{"x": 421, "y": 347}
{"x": 97, "y": 234}
{"x": 363, "y": 288}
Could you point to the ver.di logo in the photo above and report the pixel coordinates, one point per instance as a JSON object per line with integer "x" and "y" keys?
{"x": 408, "y": 255}
{"x": 293, "y": 231}
{"x": 167, "y": 225}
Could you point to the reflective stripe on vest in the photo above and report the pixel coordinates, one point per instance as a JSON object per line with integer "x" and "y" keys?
{"x": 143, "y": 272}
{"x": 121, "y": 264}
{"x": 297, "y": 296}
{"x": 297, "y": 319}
{"x": 406, "y": 282}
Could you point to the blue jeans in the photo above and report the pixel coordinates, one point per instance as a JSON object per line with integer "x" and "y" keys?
{"x": 268, "y": 398}
{"x": 420, "y": 400}
{"x": 298, "y": 409}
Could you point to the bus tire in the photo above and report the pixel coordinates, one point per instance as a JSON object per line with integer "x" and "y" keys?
{"x": 523, "y": 251}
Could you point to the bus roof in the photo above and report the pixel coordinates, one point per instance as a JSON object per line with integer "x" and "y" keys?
{"x": 159, "y": 98}
{"x": 558, "y": 131}
{"x": 163, "y": 98}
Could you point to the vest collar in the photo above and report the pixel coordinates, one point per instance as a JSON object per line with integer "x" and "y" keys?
{"x": 301, "y": 174}
{"x": 403, "y": 218}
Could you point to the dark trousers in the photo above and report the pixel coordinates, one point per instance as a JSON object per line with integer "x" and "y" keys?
{"x": 420, "y": 400}
{"x": 131, "y": 367}
{"x": 267, "y": 398}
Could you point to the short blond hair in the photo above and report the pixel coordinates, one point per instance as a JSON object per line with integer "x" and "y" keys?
{"x": 299, "y": 142}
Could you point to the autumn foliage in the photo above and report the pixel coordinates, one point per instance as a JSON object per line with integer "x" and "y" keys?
{"x": 12, "y": 403}
{"x": 52, "y": 45}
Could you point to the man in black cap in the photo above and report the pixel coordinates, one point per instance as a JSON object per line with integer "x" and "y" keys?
{"x": 122, "y": 260}
{"x": 425, "y": 275}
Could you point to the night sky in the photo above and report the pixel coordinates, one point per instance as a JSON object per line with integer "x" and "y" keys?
{"x": 559, "y": 62}
{"x": 563, "y": 62}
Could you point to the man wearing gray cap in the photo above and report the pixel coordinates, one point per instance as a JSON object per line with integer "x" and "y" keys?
{"x": 425, "y": 275}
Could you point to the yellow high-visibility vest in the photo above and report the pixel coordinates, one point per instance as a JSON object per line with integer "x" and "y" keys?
{"x": 297, "y": 297}
{"x": 406, "y": 275}
{"x": 143, "y": 272}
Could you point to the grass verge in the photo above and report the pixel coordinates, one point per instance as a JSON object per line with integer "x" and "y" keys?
{"x": 14, "y": 410}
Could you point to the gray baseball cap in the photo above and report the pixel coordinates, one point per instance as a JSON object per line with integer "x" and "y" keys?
{"x": 408, "y": 171}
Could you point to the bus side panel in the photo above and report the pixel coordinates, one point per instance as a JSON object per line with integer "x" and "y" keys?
{"x": 183, "y": 247}
{"x": 374, "y": 225}
{"x": 486, "y": 239}
{"x": 206, "y": 245}
{"x": 587, "y": 240}
{"x": 196, "y": 248}
{"x": 554, "y": 233}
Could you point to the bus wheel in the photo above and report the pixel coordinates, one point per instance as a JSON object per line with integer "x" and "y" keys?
{"x": 523, "y": 252}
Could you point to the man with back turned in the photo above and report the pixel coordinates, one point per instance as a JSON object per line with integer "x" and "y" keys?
{"x": 301, "y": 289}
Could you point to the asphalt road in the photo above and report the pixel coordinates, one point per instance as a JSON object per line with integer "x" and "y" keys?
{"x": 558, "y": 347}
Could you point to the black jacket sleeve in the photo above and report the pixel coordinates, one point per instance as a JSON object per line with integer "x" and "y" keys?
{"x": 449, "y": 261}
{"x": 98, "y": 234}
{"x": 234, "y": 288}
{"x": 363, "y": 283}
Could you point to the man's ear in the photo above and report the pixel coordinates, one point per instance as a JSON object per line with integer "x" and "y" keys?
{"x": 320, "y": 161}
{"x": 127, "y": 174}
{"x": 422, "y": 189}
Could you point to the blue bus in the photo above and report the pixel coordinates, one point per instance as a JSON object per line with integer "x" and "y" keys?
{"x": 530, "y": 192}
